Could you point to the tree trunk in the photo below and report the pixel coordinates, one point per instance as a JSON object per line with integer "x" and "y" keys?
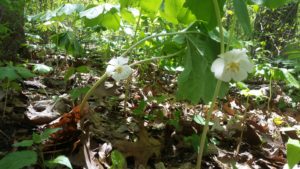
{"x": 12, "y": 36}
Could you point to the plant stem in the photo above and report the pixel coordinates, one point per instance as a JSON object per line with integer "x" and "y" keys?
{"x": 243, "y": 128}
{"x": 270, "y": 95}
{"x": 217, "y": 89}
{"x": 205, "y": 129}
{"x": 92, "y": 89}
{"x": 155, "y": 58}
{"x": 156, "y": 35}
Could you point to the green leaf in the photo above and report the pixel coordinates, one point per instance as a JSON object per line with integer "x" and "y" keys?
{"x": 171, "y": 10}
{"x": 197, "y": 82}
{"x": 69, "y": 42}
{"x": 24, "y": 72}
{"x": 292, "y": 51}
{"x": 45, "y": 135}
{"x": 128, "y": 3}
{"x": 9, "y": 73}
{"x": 104, "y": 15}
{"x": 118, "y": 160}
{"x": 69, "y": 73}
{"x": 139, "y": 111}
{"x": 24, "y": 143}
{"x": 111, "y": 20}
{"x": 204, "y": 11}
{"x": 242, "y": 14}
{"x": 77, "y": 92}
{"x": 293, "y": 151}
{"x": 185, "y": 16}
{"x": 200, "y": 120}
{"x": 18, "y": 159}
{"x": 42, "y": 69}
{"x": 150, "y": 6}
{"x": 63, "y": 160}
{"x": 274, "y": 3}
{"x": 289, "y": 78}
{"x": 68, "y": 9}
{"x": 83, "y": 69}
{"x": 127, "y": 16}
{"x": 94, "y": 12}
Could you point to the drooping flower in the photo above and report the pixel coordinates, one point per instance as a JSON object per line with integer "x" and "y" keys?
{"x": 118, "y": 68}
{"x": 233, "y": 64}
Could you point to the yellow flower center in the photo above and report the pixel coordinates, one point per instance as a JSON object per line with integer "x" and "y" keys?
{"x": 233, "y": 66}
{"x": 119, "y": 69}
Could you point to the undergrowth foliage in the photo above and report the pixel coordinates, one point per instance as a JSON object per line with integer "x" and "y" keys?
{"x": 211, "y": 46}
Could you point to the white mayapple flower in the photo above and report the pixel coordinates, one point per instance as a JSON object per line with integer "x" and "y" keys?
{"x": 118, "y": 68}
{"x": 233, "y": 64}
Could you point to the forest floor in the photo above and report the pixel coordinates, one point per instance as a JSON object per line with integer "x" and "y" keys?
{"x": 147, "y": 124}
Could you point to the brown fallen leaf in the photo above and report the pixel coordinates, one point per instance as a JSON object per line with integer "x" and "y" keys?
{"x": 141, "y": 150}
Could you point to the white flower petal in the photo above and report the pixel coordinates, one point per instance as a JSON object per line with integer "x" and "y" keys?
{"x": 124, "y": 74}
{"x": 246, "y": 65}
{"x": 218, "y": 67}
{"x": 239, "y": 76}
{"x": 110, "y": 69}
{"x": 227, "y": 76}
{"x": 122, "y": 60}
{"x": 113, "y": 61}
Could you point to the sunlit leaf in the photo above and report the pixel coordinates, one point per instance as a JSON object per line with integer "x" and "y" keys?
{"x": 111, "y": 20}
{"x": 127, "y": 16}
{"x": 41, "y": 68}
{"x": 68, "y": 9}
{"x": 94, "y": 12}
{"x": 200, "y": 120}
{"x": 171, "y": 10}
{"x": 290, "y": 78}
{"x": 293, "y": 151}
{"x": 63, "y": 160}
{"x": 150, "y": 6}
{"x": 118, "y": 160}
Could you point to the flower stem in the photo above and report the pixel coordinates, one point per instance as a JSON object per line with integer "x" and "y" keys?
{"x": 207, "y": 119}
{"x": 217, "y": 89}
{"x": 91, "y": 90}
{"x": 153, "y": 36}
{"x": 155, "y": 58}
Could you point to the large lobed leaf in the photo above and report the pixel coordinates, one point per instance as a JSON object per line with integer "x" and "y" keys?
{"x": 174, "y": 11}
{"x": 204, "y": 11}
{"x": 105, "y": 15}
{"x": 197, "y": 82}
